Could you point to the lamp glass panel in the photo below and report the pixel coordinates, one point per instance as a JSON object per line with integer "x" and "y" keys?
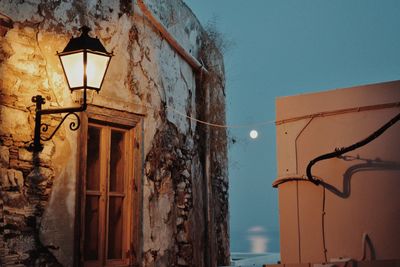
{"x": 96, "y": 69}
{"x": 73, "y": 68}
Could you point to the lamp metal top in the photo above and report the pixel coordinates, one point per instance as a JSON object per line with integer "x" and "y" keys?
{"x": 85, "y": 42}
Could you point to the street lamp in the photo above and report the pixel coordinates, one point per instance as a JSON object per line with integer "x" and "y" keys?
{"x": 85, "y": 62}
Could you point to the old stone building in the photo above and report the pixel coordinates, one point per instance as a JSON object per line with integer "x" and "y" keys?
{"x": 143, "y": 181}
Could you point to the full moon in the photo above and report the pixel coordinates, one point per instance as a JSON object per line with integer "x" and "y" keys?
{"x": 253, "y": 134}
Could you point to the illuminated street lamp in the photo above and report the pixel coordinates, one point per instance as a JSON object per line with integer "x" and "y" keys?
{"x": 85, "y": 62}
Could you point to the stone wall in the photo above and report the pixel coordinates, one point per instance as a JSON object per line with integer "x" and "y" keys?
{"x": 185, "y": 202}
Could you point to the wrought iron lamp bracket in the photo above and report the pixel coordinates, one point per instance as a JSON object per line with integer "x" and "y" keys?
{"x": 82, "y": 60}
{"x": 36, "y": 145}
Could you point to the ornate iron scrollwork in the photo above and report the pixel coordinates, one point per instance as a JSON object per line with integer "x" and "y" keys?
{"x": 73, "y": 126}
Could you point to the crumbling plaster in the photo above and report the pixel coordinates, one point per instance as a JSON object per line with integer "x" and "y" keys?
{"x": 146, "y": 77}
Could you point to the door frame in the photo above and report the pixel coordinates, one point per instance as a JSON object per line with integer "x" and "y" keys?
{"x": 121, "y": 119}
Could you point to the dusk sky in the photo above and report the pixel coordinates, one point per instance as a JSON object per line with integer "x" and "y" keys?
{"x": 286, "y": 47}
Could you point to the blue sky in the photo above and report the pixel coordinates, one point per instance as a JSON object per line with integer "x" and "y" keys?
{"x": 286, "y": 47}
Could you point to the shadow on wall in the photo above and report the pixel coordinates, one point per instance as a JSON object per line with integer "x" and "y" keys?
{"x": 368, "y": 165}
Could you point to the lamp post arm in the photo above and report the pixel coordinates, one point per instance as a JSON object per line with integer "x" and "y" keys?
{"x": 61, "y": 110}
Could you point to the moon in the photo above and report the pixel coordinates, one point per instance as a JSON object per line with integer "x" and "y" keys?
{"x": 253, "y": 134}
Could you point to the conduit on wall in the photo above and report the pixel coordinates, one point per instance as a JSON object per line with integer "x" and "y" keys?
{"x": 343, "y": 150}
{"x": 191, "y": 60}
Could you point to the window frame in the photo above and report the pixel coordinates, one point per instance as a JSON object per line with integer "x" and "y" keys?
{"x": 133, "y": 123}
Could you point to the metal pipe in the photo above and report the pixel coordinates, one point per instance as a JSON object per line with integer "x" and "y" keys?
{"x": 80, "y": 108}
{"x": 191, "y": 60}
{"x": 339, "y": 112}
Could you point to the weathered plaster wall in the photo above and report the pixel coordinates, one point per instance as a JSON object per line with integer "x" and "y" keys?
{"x": 185, "y": 203}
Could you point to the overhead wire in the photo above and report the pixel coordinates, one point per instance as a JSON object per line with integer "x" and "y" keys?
{"x": 220, "y": 125}
{"x": 261, "y": 123}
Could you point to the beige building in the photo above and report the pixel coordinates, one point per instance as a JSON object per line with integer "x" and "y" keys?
{"x": 143, "y": 181}
{"x": 338, "y": 177}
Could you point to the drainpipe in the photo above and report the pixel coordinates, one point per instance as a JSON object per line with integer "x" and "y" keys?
{"x": 191, "y": 60}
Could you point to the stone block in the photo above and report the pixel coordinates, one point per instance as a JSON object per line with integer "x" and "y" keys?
{"x": 15, "y": 122}
{"x": 14, "y": 200}
{"x": 4, "y": 182}
{"x": 181, "y": 186}
{"x": 16, "y": 178}
{"x": 11, "y": 179}
{"x": 182, "y": 237}
{"x": 4, "y": 156}
{"x": 182, "y": 261}
{"x": 186, "y": 174}
{"x": 22, "y": 243}
{"x": 25, "y": 155}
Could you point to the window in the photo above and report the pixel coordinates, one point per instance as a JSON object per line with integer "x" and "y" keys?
{"x": 109, "y": 197}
